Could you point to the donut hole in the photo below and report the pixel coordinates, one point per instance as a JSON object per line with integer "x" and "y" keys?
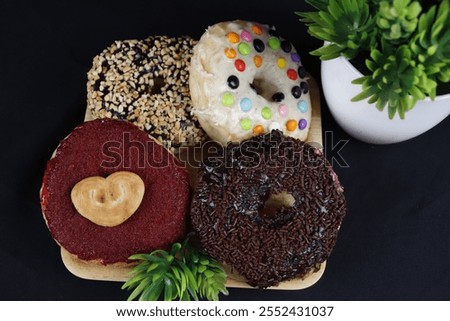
{"x": 275, "y": 202}
{"x": 264, "y": 87}
{"x": 156, "y": 85}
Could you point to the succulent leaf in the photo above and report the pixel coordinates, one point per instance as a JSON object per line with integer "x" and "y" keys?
{"x": 431, "y": 45}
{"x": 408, "y": 48}
{"x": 398, "y": 19}
{"x": 318, "y": 4}
{"x": 184, "y": 273}
{"x": 395, "y": 82}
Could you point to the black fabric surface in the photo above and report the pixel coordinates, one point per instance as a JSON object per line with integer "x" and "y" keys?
{"x": 393, "y": 245}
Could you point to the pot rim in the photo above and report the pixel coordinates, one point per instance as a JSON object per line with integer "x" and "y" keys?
{"x": 356, "y": 71}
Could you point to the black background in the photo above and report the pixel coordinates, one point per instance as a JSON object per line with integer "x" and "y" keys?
{"x": 393, "y": 245}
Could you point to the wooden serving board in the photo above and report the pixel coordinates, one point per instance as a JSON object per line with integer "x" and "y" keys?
{"x": 121, "y": 272}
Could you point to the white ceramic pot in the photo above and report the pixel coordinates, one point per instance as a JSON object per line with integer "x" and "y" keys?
{"x": 364, "y": 121}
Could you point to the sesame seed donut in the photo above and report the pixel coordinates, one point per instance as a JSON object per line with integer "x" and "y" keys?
{"x": 146, "y": 82}
{"x": 269, "y": 207}
{"x": 246, "y": 80}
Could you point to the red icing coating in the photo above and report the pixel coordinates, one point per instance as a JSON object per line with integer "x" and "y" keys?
{"x": 159, "y": 221}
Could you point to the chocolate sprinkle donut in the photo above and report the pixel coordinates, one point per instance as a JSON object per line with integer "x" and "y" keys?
{"x": 234, "y": 215}
{"x": 146, "y": 82}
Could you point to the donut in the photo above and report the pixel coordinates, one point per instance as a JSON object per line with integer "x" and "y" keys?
{"x": 270, "y": 208}
{"x": 104, "y": 150}
{"x": 146, "y": 82}
{"x": 245, "y": 80}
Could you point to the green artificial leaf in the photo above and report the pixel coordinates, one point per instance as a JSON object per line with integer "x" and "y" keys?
{"x": 391, "y": 112}
{"x": 396, "y": 81}
{"x": 183, "y": 273}
{"x": 431, "y": 45}
{"x": 153, "y": 291}
{"x": 365, "y": 94}
{"x": 398, "y": 19}
{"x": 401, "y": 109}
{"x": 382, "y": 101}
{"x": 414, "y": 10}
{"x": 318, "y": 4}
{"x": 328, "y": 51}
{"x": 347, "y": 24}
{"x": 359, "y": 81}
{"x": 140, "y": 287}
{"x": 408, "y": 48}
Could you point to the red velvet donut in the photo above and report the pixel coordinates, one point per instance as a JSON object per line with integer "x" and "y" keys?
{"x": 100, "y": 148}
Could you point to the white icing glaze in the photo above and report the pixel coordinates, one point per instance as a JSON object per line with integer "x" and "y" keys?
{"x": 209, "y": 72}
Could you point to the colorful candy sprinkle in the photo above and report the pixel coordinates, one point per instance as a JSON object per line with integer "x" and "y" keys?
{"x": 233, "y": 37}
{"x": 239, "y": 64}
{"x": 233, "y": 82}
{"x": 296, "y": 91}
{"x": 244, "y": 49}
{"x": 230, "y": 53}
{"x": 295, "y": 57}
{"x": 246, "y": 104}
{"x": 258, "y": 129}
{"x": 283, "y": 110}
{"x": 281, "y": 63}
{"x": 274, "y": 43}
{"x": 257, "y": 30}
{"x": 266, "y": 113}
{"x": 273, "y": 32}
{"x": 286, "y": 46}
{"x": 292, "y": 74}
{"x": 246, "y": 35}
{"x": 302, "y": 106}
{"x": 304, "y": 86}
{"x": 278, "y": 97}
{"x": 291, "y": 125}
{"x": 258, "y": 60}
{"x": 227, "y": 99}
{"x": 246, "y": 124}
{"x": 302, "y": 124}
{"x": 258, "y": 45}
{"x": 302, "y": 72}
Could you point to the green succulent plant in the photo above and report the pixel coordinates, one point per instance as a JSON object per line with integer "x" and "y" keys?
{"x": 398, "y": 19}
{"x": 431, "y": 43}
{"x": 183, "y": 273}
{"x": 346, "y": 24}
{"x": 408, "y": 49}
{"x": 395, "y": 81}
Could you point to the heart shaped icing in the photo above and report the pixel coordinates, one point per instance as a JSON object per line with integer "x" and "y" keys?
{"x": 108, "y": 201}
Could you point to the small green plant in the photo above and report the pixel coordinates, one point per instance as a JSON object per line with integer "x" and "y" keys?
{"x": 406, "y": 49}
{"x": 184, "y": 273}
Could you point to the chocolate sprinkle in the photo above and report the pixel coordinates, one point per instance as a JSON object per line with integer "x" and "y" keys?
{"x": 228, "y": 210}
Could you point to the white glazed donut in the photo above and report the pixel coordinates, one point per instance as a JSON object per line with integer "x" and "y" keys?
{"x": 246, "y": 80}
